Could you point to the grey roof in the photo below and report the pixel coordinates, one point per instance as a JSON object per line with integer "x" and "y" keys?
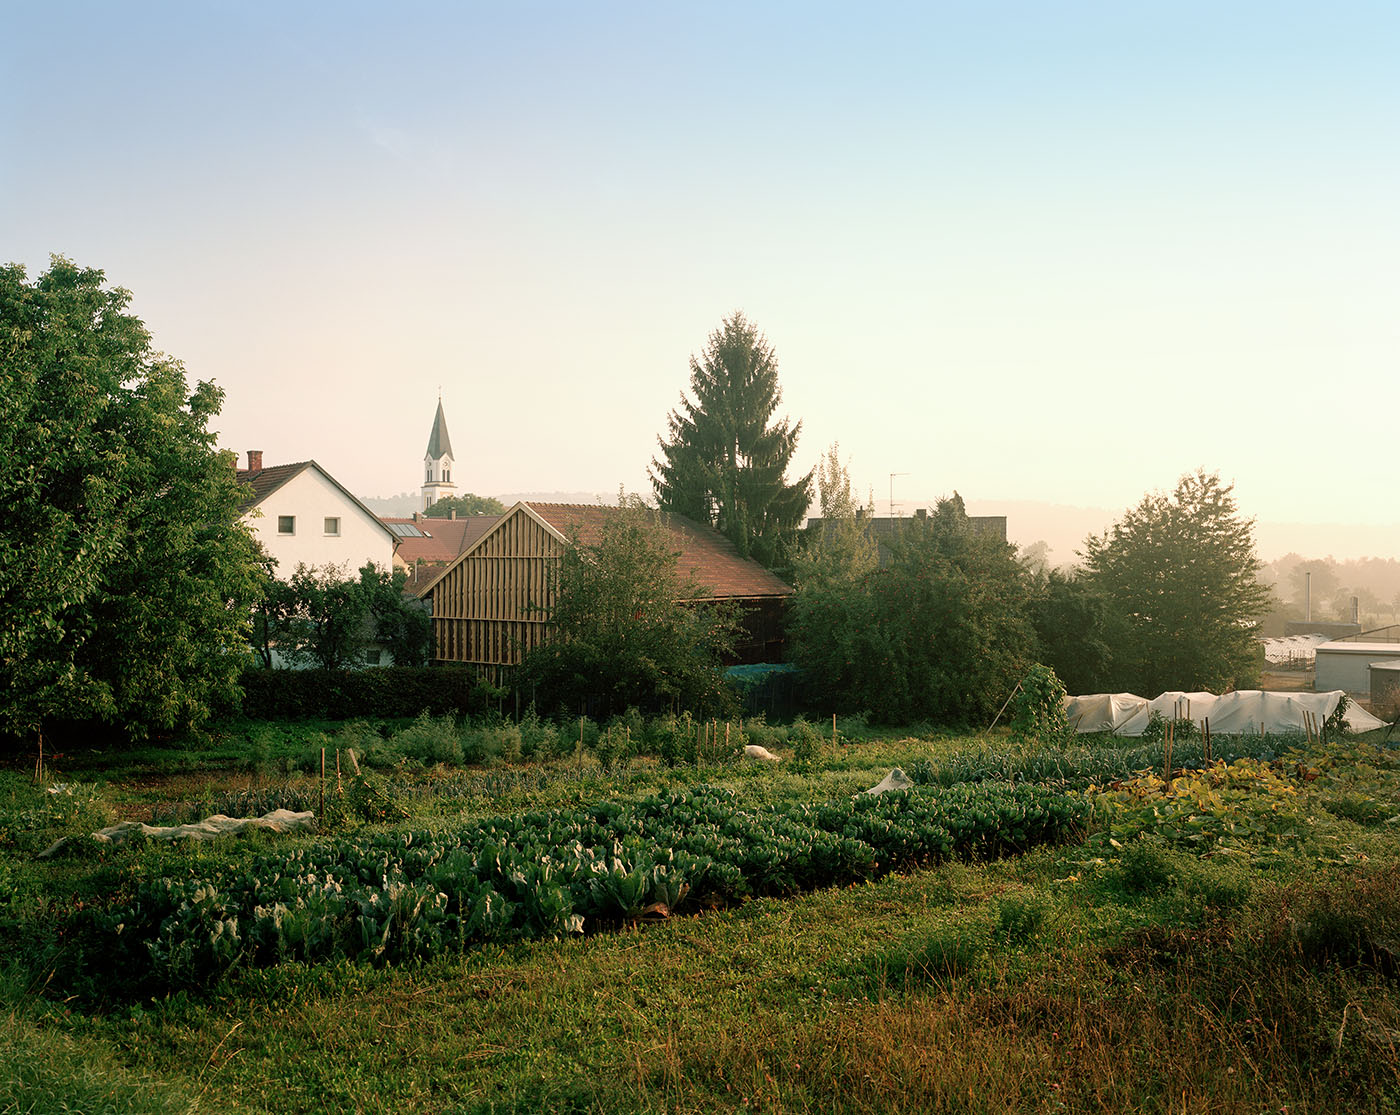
{"x": 439, "y": 444}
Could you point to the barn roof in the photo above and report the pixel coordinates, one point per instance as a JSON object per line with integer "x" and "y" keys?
{"x": 705, "y": 554}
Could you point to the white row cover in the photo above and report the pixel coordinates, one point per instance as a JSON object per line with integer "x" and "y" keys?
{"x": 1241, "y": 712}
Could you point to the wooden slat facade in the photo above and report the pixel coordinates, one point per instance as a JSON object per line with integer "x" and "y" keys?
{"x": 492, "y": 607}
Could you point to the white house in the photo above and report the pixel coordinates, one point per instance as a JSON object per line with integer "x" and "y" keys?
{"x": 302, "y": 515}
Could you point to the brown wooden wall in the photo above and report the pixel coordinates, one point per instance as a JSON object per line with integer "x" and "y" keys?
{"x": 493, "y": 607}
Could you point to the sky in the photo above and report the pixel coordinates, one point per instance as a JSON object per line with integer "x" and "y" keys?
{"x": 1050, "y": 252}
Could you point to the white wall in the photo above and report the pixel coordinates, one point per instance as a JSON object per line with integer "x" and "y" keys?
{"x": 1348, "y": 665}
{"x": 309, "y": 498}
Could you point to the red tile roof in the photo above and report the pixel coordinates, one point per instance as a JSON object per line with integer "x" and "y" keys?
{"x": 443, "y": 539}
{"x": 704, "y": 553}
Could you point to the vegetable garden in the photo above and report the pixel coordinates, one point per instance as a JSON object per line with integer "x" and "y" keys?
{"x": 1069, "y": 926}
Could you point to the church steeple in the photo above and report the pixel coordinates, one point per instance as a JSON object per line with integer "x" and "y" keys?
{"x": 437, "y": 462}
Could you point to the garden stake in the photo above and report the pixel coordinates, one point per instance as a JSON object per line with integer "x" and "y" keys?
{"x": 1205, "y": 725}
{"x": 339, "y": 786}
{"x": 1167, "y": 740}
{"x": 322, "y": 812}
{"x": 997, "y": 717}
{"x": 833, "y": 729}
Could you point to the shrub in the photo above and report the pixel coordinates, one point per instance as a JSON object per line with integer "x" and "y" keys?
{"x": 431, "y": 740}
{"x": 1038, "y": 708}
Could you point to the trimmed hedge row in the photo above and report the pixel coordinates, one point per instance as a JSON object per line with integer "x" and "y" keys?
{"x": 384, "y": 693}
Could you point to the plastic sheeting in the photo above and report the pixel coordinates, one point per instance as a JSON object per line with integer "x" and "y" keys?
{"x": 1102, "y": 712}
{"x": 1245, "y": 711}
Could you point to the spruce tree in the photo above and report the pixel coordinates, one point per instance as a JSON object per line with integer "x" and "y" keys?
{"x": 725, "y": 461}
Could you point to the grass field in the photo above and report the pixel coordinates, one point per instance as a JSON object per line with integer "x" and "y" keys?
{"x": 1224, "y": 941}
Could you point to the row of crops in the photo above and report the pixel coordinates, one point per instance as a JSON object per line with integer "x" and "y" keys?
{"x": 405, "y": 896}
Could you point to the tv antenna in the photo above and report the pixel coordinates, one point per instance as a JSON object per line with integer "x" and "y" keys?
{"x": 892, "y": 476}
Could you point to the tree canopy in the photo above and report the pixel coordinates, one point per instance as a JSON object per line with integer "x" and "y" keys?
{"x": 1178, "y": 578}
{"x": 943, "y": 632}
{"x": 323, "y": 617}
{"x": 725, "y": 459}
{"x": 125, "y": 573}
{"x": 630, "y": 630}
{"x": 468, "y": 504}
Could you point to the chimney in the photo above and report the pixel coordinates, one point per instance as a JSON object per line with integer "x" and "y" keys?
{"x": 452, "y": 514}
{"x": 1356, "y": 610}
{"x": 418, "y": 516}
{"x": 860, "y": 512}
{"x": 255, "y": 460}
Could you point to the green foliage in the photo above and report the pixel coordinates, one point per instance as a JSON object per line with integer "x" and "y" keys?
{"x": 631, "y": 631}
{"x": 1038, "y": 708}
{"x": 1335, "y": 726}
{"x": 1071, "y": 621}
{"x": 464, "y": 505}
{"x": 392, "y": 692}
{"x": 1178, "y": 575}
{"x": 943, "y": 633}
{"x": 726, "y": 460}
{"x": 324, "y": 619}
{"x": 125, "y": 573}
{"x": 409, "y": 895}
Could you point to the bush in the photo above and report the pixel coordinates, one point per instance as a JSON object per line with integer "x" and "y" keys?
{"x": 1038, "y": 708}
{"x": 431, "y": 740}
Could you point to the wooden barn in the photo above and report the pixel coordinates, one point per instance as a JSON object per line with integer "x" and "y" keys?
{"x": 491, "y": 606}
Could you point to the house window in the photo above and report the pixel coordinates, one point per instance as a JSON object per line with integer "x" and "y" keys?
{"x": 286, "y": 524}
{"x": 332, "y": 526}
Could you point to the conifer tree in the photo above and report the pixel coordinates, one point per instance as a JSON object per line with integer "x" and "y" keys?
{"x": 726, "y": 458}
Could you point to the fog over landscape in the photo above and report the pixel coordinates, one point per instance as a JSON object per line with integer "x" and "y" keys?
{"x": 1052, "y": 259}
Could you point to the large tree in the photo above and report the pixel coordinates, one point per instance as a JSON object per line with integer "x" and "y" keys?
{"x": 725, "y": 459}
{"x": 125, "y": 573}
{"x": 1178, "y": 577}
{"x": 630, "y": 629}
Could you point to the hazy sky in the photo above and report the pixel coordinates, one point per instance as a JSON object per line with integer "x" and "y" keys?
{"x": 1061, "y": 252}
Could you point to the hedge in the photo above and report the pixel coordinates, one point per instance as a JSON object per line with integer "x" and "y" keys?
{"x": 386, "y": 692}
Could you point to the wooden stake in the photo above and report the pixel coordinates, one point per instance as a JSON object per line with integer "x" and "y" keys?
{"x": 1205, "y": 728}
{"x": 997, "y": 717}
{"x": 339, "y": 786}
{"x": 833, "y": 729}
{"x": 1171, "y": 731}
{"x": 322, "y": 812}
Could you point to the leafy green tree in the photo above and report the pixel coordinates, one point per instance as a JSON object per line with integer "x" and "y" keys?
{"x": 830, "y": 611}
{"x": 1178, "y": 574}
{"x": 324, "y": 618}
{"x": 630, "y": 629}
{"x": 1075, "y": 627}
{"x": 401, "y": 625}
{"x": 469, "y": 504}
{"x": 943, "y": 632}
{"x": 725, "y": 460}
{"x": 126, "y": 575}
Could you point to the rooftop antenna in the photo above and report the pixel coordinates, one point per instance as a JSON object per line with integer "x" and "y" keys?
{"x": 892, "y": 476}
